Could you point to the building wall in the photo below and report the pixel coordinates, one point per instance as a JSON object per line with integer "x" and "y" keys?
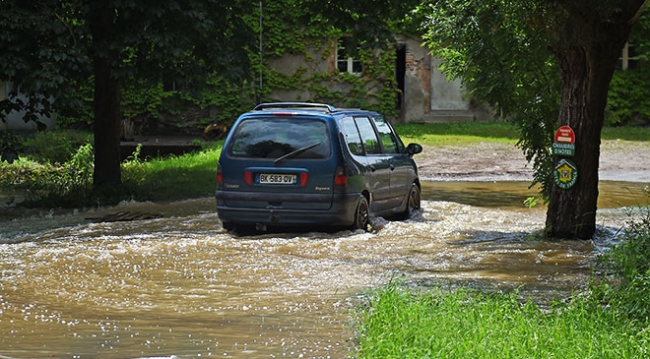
{"x": 446, "y": 95}
{"x": 429, "y": 96}
{"x": 14, "y": 120}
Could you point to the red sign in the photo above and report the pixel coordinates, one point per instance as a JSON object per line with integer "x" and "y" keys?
{"x": 565, "y": 134}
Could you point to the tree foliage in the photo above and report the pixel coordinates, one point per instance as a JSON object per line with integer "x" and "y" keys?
{"x": 43, "y": 50}
{"x": 627, "y": 102}
{"x": 56, "y": 45}
{"x": 496, "y": 49}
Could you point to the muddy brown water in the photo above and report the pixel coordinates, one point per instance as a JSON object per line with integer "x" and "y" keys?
{"x": 181, "y": 287}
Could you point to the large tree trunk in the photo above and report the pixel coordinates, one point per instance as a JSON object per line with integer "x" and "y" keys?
{"x": 586, "y": 68}
{"x": 572, "y": 212}
{"x": 106, "y": 102}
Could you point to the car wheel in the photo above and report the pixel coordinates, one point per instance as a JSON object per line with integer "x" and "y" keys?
{"x": 413, "y": 202}
{"x": 362, "y": 215}
{"x": 228, "y": 226}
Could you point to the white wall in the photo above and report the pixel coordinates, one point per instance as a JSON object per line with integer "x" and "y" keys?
{"x": 15, "y": 120}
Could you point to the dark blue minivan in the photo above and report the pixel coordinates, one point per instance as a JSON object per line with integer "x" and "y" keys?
{"x": 309, "y": 164}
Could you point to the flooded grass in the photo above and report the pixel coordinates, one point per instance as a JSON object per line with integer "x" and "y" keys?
{"x": 467, "y": 324}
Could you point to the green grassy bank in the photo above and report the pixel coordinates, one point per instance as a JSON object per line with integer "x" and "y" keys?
{"x": 466, "y": 324}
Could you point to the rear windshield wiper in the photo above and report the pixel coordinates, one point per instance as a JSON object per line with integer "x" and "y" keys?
{"x": 295, "y": 153}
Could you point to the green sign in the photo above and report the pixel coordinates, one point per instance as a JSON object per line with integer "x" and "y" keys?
{"x": 565, "y": 174}
{"x": 564, "y": 149}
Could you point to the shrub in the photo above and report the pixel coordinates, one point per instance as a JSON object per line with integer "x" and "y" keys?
{"x": 627, "y": 101}
{"x": 55, "y": 146}
{"x": 626, "y": 269}
{"x": 61, "y": 185}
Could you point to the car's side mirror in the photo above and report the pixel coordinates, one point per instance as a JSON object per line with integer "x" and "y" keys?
{"x": 413, "y": 149}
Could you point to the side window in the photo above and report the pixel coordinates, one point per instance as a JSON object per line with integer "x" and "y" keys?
{"x": 388, "y": 139}
{"x": 352, "y": 136}
{"x": 368, "y": 136}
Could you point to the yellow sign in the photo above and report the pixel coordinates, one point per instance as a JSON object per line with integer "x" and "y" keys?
{"x": 565, "y": 174}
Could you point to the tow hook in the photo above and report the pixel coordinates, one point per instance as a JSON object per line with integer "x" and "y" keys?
{"x": 273, "y": 218}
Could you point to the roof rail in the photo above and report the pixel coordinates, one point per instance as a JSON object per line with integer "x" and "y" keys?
{"x": 303, "y": 105}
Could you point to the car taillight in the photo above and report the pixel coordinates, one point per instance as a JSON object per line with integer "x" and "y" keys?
{"x": 340, "y": 178}
{"x": 219, "y": 175}
{"x": 304, "y": 176}
{"x": 248, "y": 177}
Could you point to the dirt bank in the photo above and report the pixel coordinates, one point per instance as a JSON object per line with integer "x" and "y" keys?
{"x": 619, "y": 161}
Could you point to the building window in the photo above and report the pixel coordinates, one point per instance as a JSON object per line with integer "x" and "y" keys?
{"x": 346, "y": 61}
{"x": 628, "y": 59}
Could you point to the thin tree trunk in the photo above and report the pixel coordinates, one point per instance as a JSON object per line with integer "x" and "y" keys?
{"x": 106, "y": 102}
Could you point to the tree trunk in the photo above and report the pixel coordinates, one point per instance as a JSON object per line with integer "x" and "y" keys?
{"x": 106, "y": 101}
{"x": 586, "y": 70}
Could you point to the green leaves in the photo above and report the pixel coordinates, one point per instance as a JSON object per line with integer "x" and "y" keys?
{"x": 498, "y": 49}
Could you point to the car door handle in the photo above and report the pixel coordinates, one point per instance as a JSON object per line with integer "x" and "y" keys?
{"x": 372, "y": 168}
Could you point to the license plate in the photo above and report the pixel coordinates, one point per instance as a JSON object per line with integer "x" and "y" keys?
{"x": 269, "y": 178}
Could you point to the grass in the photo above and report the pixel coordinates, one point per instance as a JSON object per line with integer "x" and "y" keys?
{"x": 467, "y": 324}
{"x": 191, "y": 175}
{"x": 457, "y": 134}
{"x": 445, "y": 134}
{"x": 626, "y": 133}
{"x": 52, "y": 184}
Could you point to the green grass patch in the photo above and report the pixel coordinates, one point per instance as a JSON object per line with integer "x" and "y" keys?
{"x": 191, "y": 175}
{"x": 457, "y": 134}
{"x": 461, "y": 133}
{"x": 468, "y": 324}
{"x": 626, "y": 133}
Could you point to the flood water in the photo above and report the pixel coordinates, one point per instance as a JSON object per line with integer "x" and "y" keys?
{"x": 180, "y": 287}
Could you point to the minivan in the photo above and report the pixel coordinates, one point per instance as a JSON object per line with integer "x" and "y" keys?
{"x": 314, "y": 165}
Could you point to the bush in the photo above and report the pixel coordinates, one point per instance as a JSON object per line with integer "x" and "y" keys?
{"x": 55, "y": 146}
{"x": 627, "y": 101}
{"x": 626, "y": 268}
{"x": 66, "y": 185}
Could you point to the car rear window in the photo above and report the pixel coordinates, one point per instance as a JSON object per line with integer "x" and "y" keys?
{"x": 276, "y": 137}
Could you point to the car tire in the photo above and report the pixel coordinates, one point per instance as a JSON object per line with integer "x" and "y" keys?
{"x": 413, "y": 202}
{"x": 228, "y": 226}
{"x": 362, "y": 215}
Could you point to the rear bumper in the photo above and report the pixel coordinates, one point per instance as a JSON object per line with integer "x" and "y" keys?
{"x": 340, "y": 213}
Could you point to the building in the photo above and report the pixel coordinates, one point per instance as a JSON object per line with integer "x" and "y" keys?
{"x": 14, "y": 120}
{"x": 423, "y": 92}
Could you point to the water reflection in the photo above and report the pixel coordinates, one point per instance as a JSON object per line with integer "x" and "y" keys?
{"x": 512, "y": 194}
{"x": 181, "y": 286}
